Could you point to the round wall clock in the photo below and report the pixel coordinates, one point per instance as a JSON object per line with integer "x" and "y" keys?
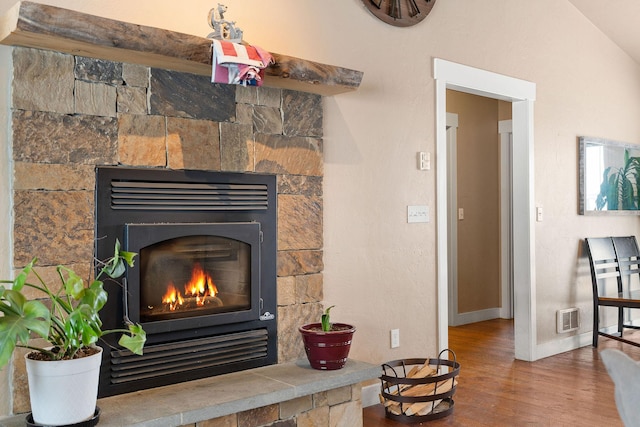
{"x": 401, "y": 13}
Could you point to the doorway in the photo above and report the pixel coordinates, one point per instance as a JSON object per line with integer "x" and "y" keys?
{"x": 521, "y": 94}
{"x": 479, "y": 206}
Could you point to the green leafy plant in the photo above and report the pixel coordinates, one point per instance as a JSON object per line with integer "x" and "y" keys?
{"x": 69, "y": 320}
{"x": 325, "y": 320}
{"x": 620, "y": 186}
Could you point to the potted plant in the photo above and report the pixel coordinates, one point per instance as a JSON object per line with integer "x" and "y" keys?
{"x": 327, "y": 344}
{"x": 68, "y": 319}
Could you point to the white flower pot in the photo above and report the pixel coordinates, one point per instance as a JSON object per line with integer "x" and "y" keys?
{"x": 63, "y": 392}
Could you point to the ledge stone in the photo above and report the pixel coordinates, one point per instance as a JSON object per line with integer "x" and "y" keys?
{"x": 200, "y": 400}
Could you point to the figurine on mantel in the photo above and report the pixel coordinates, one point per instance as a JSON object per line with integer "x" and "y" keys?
{"x": 223, "y": 29}
{"x": 232, "y": 61}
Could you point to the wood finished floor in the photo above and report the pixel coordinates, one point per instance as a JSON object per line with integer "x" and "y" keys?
{"x": 569, "y": 389}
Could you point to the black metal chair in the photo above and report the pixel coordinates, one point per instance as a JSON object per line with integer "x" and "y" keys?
{"x": 613, "y": 258}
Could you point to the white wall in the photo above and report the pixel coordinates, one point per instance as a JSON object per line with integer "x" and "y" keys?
{"x": 379, "y": 270}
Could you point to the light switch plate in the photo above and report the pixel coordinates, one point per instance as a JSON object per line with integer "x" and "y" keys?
{"x": 417, "y": 213}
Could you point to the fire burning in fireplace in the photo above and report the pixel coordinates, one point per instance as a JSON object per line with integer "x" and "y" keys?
{"x": 198, "y": 292}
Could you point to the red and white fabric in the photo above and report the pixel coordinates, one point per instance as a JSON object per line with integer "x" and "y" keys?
{"x": 235, "y": 63}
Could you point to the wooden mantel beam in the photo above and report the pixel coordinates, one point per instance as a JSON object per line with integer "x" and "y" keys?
{"x": 48, "y": 27}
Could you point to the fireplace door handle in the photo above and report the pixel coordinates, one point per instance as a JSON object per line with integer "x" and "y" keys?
{"x": 125, "y": 300}
{"x": 266, "y": 315}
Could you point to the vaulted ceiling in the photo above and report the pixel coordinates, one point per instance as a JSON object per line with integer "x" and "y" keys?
{"x": 618, "y": 19}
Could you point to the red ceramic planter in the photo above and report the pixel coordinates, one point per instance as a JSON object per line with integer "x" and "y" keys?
{"x": 327, "y": 350}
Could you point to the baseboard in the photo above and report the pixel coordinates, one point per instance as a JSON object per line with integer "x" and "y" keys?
{"x": 573, "y": 342}
{"x": 475, "y": 316}
{"x": 370, "y": 395}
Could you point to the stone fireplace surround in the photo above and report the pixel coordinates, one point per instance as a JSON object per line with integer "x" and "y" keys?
{"x": 71, "y": 114}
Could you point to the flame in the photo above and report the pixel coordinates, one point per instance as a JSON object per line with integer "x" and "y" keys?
{"x": 200, "y": 286}
{"x": 198, "y": 289}
{"x": 172, "y": 297}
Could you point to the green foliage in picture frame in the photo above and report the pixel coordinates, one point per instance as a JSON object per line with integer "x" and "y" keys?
{"x": 619, "y": 188}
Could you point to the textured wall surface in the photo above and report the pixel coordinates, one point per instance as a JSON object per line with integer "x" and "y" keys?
{"x": 71, "y": 114}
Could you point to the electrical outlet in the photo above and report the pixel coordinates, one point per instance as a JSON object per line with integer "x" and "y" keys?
{"x": 424, "y": 161}
{"x": 395, "y": 338}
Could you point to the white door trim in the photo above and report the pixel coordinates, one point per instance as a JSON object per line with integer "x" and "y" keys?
{"x": 452, "y": 138}
{"x": 505, "y": 130}
{"x": 450, "y": 75}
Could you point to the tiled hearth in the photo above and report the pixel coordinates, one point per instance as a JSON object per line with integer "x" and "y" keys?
{"x": 71, "y": 114}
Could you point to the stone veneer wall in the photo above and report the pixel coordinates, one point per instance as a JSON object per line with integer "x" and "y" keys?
{"x": 336, "y": 408}
{"x": 71, "y": 114}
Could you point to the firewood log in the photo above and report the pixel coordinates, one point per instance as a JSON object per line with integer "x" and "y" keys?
{"x": 443, "y": 387}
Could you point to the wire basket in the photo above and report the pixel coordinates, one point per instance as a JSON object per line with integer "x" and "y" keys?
{"x": 417, "y": 390}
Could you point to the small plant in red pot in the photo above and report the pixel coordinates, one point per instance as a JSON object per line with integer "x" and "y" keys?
{"x": 327, "y": 344}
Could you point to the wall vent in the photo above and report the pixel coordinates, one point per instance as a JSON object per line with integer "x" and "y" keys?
{"x": 568, "y": 320}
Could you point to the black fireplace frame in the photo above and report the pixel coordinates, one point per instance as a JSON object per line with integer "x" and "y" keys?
{"x": 197, "y": 347}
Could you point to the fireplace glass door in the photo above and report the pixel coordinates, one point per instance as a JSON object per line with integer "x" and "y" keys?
{"x": 193, "y": 274}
